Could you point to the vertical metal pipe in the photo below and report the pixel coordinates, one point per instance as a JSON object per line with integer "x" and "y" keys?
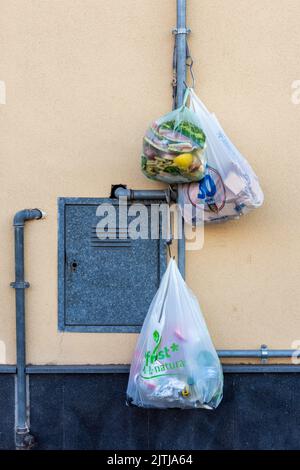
{"x": 181, "y": 50}
{"x": 24, "y": 440}
{"x": 181, "y": 77}
{"x": 20, "y": 323}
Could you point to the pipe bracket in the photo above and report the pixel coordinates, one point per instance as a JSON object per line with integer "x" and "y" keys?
{"x": 20, "y": 285}
{"x": 264, "y": 353}
{"x": 176, "y": 31}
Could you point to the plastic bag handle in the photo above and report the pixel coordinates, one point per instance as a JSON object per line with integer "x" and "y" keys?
{"x": 199, "y": 102}
{"x": 186, "y": 95}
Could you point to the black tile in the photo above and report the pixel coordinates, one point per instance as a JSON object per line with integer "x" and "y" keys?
{"x": 46, "y": 410}
{"x": 96, "y": 416}
{"x": 265, "y": 412}
{"x": 292, "y": 438}
{"x": 195, "y": 429}
{"x": 7, "y": 412}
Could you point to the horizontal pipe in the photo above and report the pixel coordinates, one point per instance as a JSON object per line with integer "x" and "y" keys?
{"x": 222, "y": 353}
{"x": 260, "y": 353}
{"x": 142, "y": 194}
{"x": 149, "y": 194}
{"x": 7, "y": 369}
{"x": 124, "y": 369}
{"x": 78, "y": 369}
{"x": 119, "y": 368}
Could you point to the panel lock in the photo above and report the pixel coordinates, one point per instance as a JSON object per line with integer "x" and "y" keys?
{"x": 73, "y": 266}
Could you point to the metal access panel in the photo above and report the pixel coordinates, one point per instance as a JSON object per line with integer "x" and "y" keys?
{"x": 104, "y": 285}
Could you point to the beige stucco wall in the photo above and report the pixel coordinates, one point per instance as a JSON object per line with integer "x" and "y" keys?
{"x": 83, "y": 79}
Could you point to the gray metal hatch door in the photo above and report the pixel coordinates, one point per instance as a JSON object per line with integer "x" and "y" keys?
{"x": 104, "y": 285}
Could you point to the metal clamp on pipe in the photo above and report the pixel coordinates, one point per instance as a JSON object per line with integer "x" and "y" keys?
{"x": 264, "y": 353}
{"x": 186, "y": 31}
{"x": 20, "y": 285}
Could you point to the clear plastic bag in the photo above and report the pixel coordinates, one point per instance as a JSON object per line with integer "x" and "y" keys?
{"x": 174, "y": 147}
{"x": 175, "y": 364}
{"x": 230, "y": 187}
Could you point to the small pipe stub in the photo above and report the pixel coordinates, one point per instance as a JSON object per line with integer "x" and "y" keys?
{"x": 44, "y": 214}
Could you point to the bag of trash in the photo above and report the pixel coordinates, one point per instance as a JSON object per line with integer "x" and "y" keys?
{"x": 174, "y": 147}
{"x": 230, "y": 188}
{"x": 175, "y": 364}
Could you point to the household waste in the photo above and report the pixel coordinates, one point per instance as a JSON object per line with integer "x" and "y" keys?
{"x": 229, "y": 188}
{"x": 174, "y": 147}
{"x": 175, "y": 364}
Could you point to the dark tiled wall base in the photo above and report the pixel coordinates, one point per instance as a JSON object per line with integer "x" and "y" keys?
{"x": 259, "y": 411}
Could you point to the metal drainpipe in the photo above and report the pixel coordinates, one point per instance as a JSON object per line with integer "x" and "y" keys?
{"x": 181, "y": 33}
{"x": 24, "y": 440}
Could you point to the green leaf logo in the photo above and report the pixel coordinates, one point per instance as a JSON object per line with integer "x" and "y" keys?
{"x": 156, "y": 336}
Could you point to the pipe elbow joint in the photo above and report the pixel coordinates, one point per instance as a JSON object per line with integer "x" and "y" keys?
{"x": 27, "y": 214}
{"x": 122, "y": 192}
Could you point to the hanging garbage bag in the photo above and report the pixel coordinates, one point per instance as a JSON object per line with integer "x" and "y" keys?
{"x": 175, "y": 364}
{"x": 174, "y": 147}
{"x": 230, "y": 187}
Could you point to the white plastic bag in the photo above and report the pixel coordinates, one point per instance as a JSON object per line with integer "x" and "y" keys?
{"x": 175, "y": 364}
{"x": 230, "y": 187}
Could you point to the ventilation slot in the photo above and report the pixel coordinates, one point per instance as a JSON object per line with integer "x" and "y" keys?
{"x": 111, "y": 238}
